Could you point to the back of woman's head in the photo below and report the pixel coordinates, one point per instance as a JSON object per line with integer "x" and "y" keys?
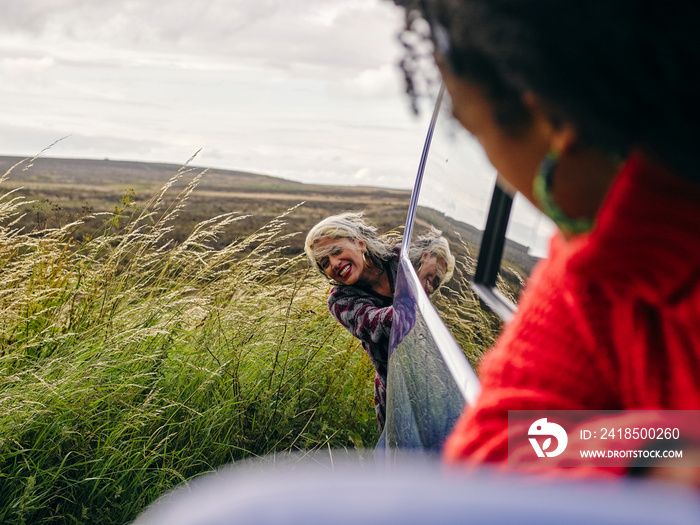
{"x": 351, "y": 226}
{"x": 622, "y": 72}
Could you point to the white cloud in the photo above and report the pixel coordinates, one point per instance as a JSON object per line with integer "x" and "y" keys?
{"x": 304, "y": 89}
{"x": 361, "y": 175}
{"x": 23, "y": 66}
{"x": 312, "y": 32}
{"x": 381, "y": 82}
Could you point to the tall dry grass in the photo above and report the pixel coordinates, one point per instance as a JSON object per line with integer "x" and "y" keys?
{"x": 129, "y": 364}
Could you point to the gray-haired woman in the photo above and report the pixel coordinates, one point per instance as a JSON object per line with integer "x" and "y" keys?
{"x": 347, "y": 249}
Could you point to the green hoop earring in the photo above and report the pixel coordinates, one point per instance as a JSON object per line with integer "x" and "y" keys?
{"x": 544, "y": 194}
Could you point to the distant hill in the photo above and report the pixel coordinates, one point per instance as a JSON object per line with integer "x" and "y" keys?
{"x": 64, "y": 189}
{"x": 107, "y": 175}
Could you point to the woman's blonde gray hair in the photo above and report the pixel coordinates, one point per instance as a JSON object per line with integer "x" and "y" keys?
{"x": 434, "y": 244}
{"x": 348, "y": 225}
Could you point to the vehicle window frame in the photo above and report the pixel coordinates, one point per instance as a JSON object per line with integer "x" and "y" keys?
{"x": 491, "y": 254}
{"x": 421, "y": 344}
{"x": 452, "y": 354}
{"x": 483, "y": 281}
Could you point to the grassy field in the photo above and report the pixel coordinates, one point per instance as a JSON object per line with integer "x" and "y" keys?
{"x": 146, "y": 339}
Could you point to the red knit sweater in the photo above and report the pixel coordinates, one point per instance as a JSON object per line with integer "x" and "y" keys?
{"x": 611, "y": 320}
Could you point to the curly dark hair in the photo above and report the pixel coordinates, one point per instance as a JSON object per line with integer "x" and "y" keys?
{"x": 621, "y": 71}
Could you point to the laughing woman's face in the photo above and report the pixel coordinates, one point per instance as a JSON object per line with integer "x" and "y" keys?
{"x": 342, "y": 261}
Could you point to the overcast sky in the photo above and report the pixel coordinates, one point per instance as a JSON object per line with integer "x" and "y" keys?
{"x": 303, "y": 89}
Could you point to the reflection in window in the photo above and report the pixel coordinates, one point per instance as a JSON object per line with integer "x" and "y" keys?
{"x": 454, "y": 200}
{"x": 455, "y": 196}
